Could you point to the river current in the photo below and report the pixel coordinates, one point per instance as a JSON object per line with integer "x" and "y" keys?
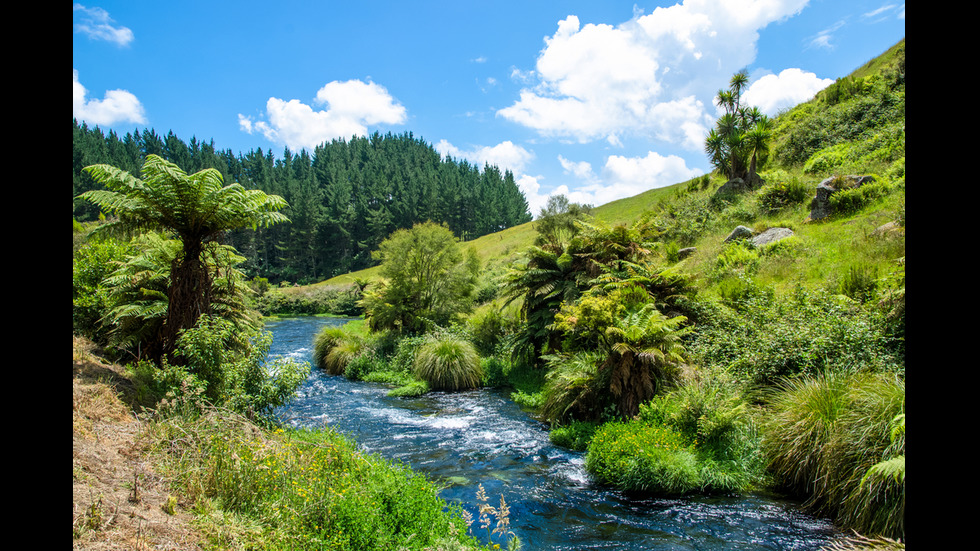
{"x": 462, "y": 440}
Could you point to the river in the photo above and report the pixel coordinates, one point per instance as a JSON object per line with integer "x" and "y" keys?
{"x": 462, "y": 440}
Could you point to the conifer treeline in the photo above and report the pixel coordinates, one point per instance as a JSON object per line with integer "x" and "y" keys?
{"x": 344, "y": 198}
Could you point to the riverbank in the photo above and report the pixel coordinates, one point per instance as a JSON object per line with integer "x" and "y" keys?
{"x": 118, "y": 500}
{"x": 198, "y": 477}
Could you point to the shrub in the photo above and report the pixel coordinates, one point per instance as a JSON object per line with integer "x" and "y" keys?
{"x": 574, "y": 389}
{"x": 808, "y": 332}
{"x": 232, "y": 368}
{"x": 574, "y": 436}
{"x": 447, "y": 362}
{"x": 851, "y": 200}
{"x": 91, "y": 264}
{"x": 780, "y": 195}
{"x": 634, "y": 456}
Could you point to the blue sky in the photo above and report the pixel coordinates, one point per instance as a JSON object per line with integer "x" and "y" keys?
{"x": 596, "y": 100}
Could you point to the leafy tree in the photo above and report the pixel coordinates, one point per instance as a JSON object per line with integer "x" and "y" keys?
{"x": 556, "y": 221}
{"x": 741, "y": 137}
{"x": 428, "y": 277}
{"x": 196, "y": 209}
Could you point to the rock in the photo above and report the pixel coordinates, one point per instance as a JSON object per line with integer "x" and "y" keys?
{"x": 686, "y": 252}
{"x": 735, "y": 185}
{"x": 820, "y": 205}
{"x": 741, "y": 232}
{"x": 771, "y": 236}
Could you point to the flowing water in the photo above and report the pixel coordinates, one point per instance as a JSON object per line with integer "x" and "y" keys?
{"x": 461, "y": 440}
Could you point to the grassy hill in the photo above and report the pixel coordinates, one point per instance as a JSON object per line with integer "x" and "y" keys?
{"x": 856, "y": 126}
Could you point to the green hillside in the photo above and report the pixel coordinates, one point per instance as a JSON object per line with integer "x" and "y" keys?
{"x": 849, "y": 141}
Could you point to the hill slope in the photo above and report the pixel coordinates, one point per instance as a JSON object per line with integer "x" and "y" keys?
{"x": 856, "y": 126}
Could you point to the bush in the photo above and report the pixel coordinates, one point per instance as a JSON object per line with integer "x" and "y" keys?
{"x": 633, "y": 456}
{"x": 91, "y": 264}
{"x": 574, "y": 389}
{"x": 779, "y": 195}
{"x": 447, "y": 362}
{"x": 232, "y": 368}
{"x": 574, "y": 436}
{"x": 851, "y": 200}
{"x": 766, "y": 338}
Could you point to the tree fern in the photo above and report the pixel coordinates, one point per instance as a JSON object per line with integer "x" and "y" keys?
{"x": 196, "y": 209}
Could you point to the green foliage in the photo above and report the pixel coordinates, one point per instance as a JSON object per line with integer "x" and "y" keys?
{"x": 778, "y": 195}
{"x": 866, "y": 110}
{"x": 232, "y": 367}
{"x": 556, "y": 223}
{"x": 575, "y": 389}
{"x": 339, "y": 301}
{"x": 633, "y": 456}
{"x": 195, "y": 209}
{"x": 771, "y": 337}
{"x": 344, "y": 197}
{"x": 851, "y": 200}
{"x": 447, "y": 362}
{"x": 823, "y": 436}
{"x": 574, "y": 436}
{"x": 138, "y": 303}
{"x": 91, "y": 265}
{"x": 300, "y": 489}
{"x": 428, "y": 280}
{"x": 860, "y": 282}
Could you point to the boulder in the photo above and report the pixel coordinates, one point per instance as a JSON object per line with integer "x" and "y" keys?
{"x": 771, "y": 236}
{"x": 820, "y": 205}
{"x": 740, "y": 232}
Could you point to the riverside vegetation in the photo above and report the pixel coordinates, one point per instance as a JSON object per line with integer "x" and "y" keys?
{"x": 679, "y": 360}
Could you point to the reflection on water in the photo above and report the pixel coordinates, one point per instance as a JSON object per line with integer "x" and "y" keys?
{"x": 464, "y": 439}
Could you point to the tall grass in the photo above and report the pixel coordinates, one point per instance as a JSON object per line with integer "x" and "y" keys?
{"x": 447, "y": 362}
{"x": 299, "y": 489}
{"x": 825, "y": 434}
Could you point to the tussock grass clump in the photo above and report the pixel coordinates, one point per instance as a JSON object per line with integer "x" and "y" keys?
{"x": 827, "y": 432}
{"x": 447, "y": 362}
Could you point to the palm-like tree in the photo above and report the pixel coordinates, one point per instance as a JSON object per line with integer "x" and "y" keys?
{"x": 138, "y": 294}
{"x": 548, "y": 277}
{"x": 741, "y": 135}
{"x": 196, "y": 209}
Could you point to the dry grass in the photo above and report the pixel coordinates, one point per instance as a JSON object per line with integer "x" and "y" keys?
{"x": 118, "y": 502}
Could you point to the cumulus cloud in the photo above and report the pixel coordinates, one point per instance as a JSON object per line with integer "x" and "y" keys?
{"x": 652, "y": 75}
{"x": 97, "y": 25}
{"x": 506, "y": 155}
{"x": 790, "y": 87}
{"x": 348, "y": 109}
{"x": 117, "y": 106}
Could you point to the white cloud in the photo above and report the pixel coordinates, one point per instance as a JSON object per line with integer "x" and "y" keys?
{"x": 581, "y": 169}
{"x": 790, "y": 87}
{"x": 621, "y": 177}
{"x": 117, "y": 106}
{"x": 652, "y": 75}
{"x": 350, "y": 107}
{"x": 506, "y": 155}
{"x": 96, "y": 24}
